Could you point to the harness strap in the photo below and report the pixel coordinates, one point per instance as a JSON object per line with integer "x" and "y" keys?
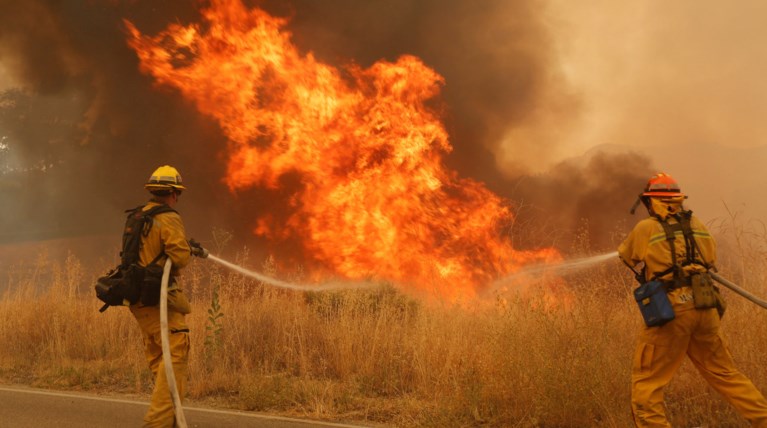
{"x": 157, "y": 259}
{"x": 670, "y": 237}
{"x": 159, "y": 209}
{"x": 689, "y": 237}
{"x": 689, "y": 244}
{"x": 691, "y": 248}
{"x": 149, "y": 221}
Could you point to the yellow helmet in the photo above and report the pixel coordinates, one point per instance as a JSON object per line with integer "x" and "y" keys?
{"x": 164, "y": 178}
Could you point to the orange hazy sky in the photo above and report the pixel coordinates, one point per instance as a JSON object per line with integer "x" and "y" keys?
{"x": 683, "y": 82}
{"x": 657, "y": 72}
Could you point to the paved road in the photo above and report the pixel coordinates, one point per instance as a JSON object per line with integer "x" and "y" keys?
{"x": 22, "y": 407}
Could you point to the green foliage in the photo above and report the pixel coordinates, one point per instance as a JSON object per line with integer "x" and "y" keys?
{"x": 213, "y": 326}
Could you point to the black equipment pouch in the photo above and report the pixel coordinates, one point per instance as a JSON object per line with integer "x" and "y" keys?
{"x": 131, "y": 285}
{"x": 654, "y": 304}
{"x": 703, "y": 293}
{"x": 120, "y": 286}
{"x": 150, "y": 287}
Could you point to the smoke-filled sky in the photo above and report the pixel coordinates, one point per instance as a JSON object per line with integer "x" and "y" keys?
{"x": 682, "y": 82}
{"x": 531, "y": 89}
{"x": 677, "y": 72}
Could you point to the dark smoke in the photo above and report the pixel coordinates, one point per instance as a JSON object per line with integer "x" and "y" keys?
{"x": 581, "y": 205}
{"x": 88, "y": 128}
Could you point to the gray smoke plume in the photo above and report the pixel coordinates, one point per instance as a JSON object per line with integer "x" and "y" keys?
{"x": 87, "y": 128}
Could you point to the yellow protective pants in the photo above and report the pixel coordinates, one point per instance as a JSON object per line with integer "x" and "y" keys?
{"x": 161, "y": 411}
{"x": 661, "y": 350}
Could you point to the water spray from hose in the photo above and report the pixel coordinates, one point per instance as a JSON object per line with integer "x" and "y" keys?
{"x": 199, "y": 251}
{"x": 289, "y": 285}
{"x": 558, "y": 268}
{"x": 577, "y": 264}
{"x": 561, "y": 268}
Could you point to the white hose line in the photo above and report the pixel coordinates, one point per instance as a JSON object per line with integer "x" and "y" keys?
{"x": 166, "y": 357}
{"x": 738, "y": 290}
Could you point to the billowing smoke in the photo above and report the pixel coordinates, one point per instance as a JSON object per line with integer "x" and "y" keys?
{"x": 583, "y": 204}
{"x": 87, "y": 128}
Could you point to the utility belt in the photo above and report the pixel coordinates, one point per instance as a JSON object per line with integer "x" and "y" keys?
{"x": 673, "y": 284}
{"x": 656, "y": 308}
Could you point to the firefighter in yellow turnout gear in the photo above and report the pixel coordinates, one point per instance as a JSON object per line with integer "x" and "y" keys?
{"x": 693, "y": 332}
{"x": 166, "y": 236}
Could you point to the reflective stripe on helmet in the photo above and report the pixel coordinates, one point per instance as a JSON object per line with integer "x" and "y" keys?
{"x": 164, "y": 177}
{"x": 662, "y": 184}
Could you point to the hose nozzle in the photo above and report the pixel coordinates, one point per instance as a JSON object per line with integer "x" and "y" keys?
{"x": 198, "y": 250}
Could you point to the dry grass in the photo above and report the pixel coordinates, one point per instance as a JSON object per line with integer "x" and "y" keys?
{"x": 374, "y": 356}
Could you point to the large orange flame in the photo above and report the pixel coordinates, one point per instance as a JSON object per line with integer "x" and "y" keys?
{"x": 376, "y": 199}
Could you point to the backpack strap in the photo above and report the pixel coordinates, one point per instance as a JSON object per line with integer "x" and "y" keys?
{"x": 693, "y": 249}
{"x": 148, "y": 222}
{"x": 158, "y": 209}
{"x": 131, "y": 238}
{"x": 157, "y": 259}
{"x": 670, "y": 231}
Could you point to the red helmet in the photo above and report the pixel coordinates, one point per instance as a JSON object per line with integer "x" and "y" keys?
{"x": 662, "y": 184}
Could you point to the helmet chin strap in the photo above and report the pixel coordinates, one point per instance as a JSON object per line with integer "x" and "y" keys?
{"x": 636, "y": 204}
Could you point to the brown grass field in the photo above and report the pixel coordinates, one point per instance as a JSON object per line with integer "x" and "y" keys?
{"x": 557, "y": 355}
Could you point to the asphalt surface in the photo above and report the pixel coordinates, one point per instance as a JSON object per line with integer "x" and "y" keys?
{"x": 22, "y": 407}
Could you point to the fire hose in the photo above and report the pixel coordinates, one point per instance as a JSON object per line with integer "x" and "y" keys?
{"x": 166, "y": 357}
{"x": 738, "y": 289}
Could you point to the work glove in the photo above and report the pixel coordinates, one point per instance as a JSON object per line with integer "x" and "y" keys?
{"x": 197, "y": 249}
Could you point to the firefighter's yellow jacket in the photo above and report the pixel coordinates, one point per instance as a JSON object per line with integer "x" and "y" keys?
{"x": 647, "y": 243}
